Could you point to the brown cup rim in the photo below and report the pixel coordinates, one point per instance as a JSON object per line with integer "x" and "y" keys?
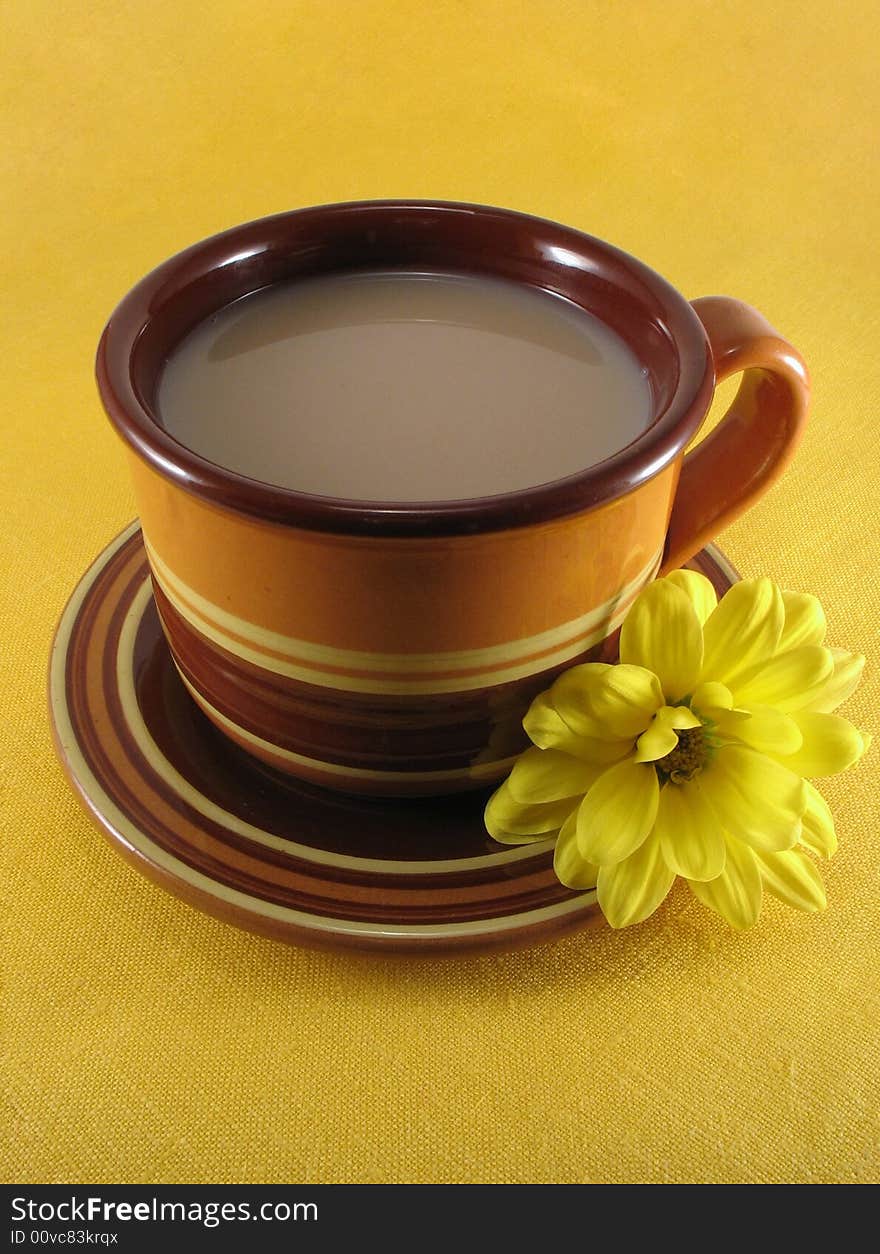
{"x": 246, "y": 257}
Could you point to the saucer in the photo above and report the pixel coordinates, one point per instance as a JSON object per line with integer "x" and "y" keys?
{"x": 267, "y": 853}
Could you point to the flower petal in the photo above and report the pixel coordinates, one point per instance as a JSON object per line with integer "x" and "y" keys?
{"x": 571, "y": 696}
{"x": 754, "y": 798}
{"x": 616, "y": 703}
{"x": 794, "y": 878}
{"x": 660, "y": 738}
{"x": 625, "y": 700}
{"x": 617, "y": 813}
{"x": 817, "y": 831}
{"x": 546, "y": 728}
{"x": 830, "y": 744}
{"x": 698, "y": 589}
{"x": 631, "y": 890}
{"x": 662, "y": 633}
{"x": 804, "y": 620}
{"x": 547, "y": 775}
{"x": 657, "y": 741}
{"x": 735, "y": 894}
{"x": 784, "y": 679}
{"x": 512, "y": 823}
{"x": 767, "y": 730}
{"x": 603, "y": 752}
{"x": 839, "y": 685}
{"x": 743, "y": 631}
{"x": 571, "y": 869}
{"x": 690, "y": 835}
{"x": 680, "y": 717}
{"x": 711, "y": 698}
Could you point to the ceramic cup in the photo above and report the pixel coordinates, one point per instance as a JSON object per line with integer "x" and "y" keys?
{"x": 393, "y": 648}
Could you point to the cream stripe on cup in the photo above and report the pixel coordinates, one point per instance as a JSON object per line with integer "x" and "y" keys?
{"x": 415, "y": 673}
{"x": 163, "y": 769}
{"x": 484, "y": 772}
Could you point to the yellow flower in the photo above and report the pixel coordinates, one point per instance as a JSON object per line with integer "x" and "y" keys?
{"x": 689, "y": 757}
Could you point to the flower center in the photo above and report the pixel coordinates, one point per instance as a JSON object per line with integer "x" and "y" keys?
{"x": 688, "y": 757}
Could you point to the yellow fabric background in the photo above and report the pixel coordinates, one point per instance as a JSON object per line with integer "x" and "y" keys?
{"x": 727, "y": 144}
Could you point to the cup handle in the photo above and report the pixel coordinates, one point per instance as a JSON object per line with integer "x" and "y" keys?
{"x": 755, "y": 439}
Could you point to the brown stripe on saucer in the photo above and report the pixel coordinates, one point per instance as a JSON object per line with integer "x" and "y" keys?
{"x": 204, "y": 845}
{"x": 262, "y": 850}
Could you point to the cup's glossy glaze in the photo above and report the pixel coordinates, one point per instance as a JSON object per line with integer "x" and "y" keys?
{"x": 393, "y": 648}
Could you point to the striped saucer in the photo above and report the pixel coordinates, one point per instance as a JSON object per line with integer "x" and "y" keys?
{"x": 260, "y": 850}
